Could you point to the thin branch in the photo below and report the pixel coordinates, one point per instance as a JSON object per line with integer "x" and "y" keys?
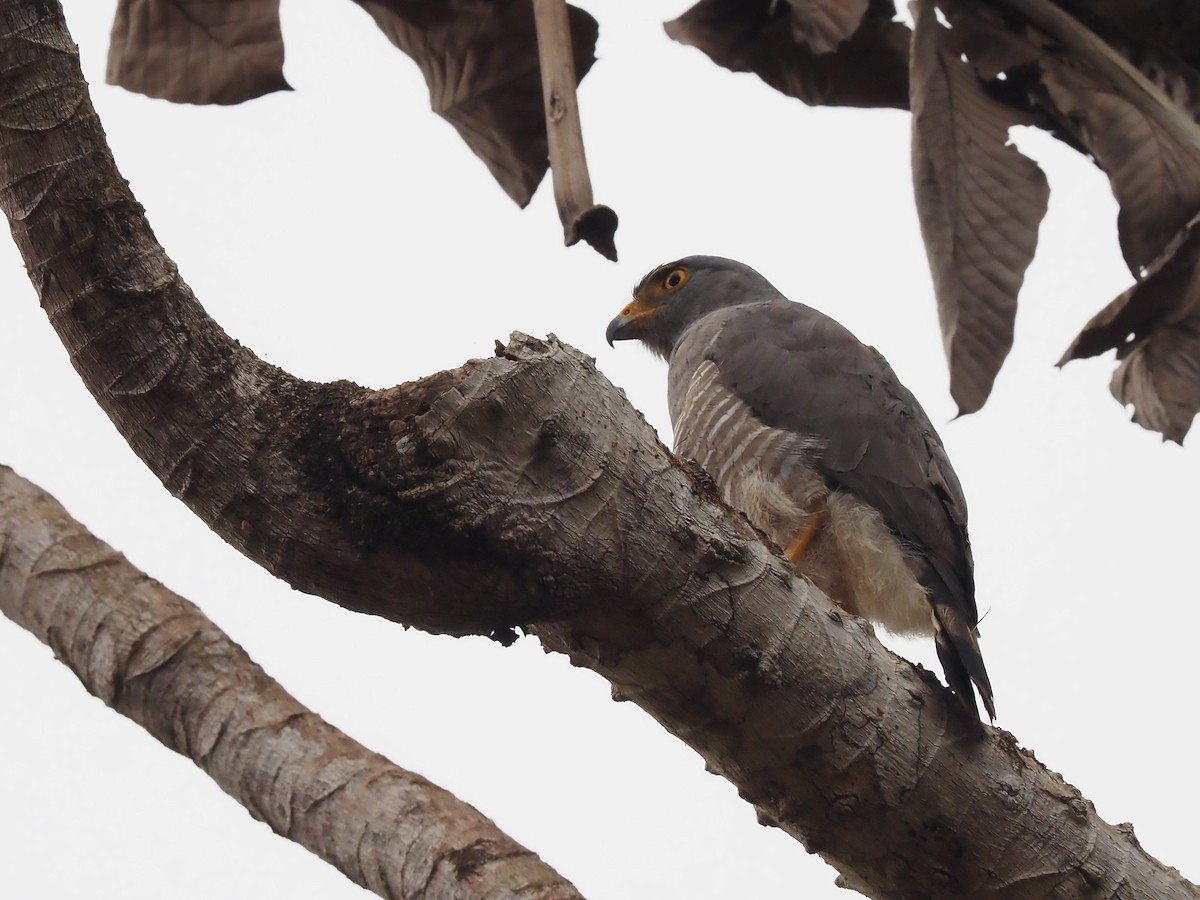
{"x": 580, "y": 216}
{"x": 156, "y": 658}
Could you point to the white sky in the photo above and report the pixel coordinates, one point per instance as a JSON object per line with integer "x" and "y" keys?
{"x": 344, "y": 231}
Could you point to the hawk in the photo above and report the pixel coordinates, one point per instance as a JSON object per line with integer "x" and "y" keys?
{"x": 810, "y": 433}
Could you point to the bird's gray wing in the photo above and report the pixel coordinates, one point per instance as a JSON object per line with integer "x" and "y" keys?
{"x": 799, "y": 370}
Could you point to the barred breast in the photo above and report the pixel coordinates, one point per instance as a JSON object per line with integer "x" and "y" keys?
{"x": 762, "y": 471}
{"x": 770, "y": 474}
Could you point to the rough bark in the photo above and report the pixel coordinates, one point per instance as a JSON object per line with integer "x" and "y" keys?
{"x": 523, "y": 489}
{"x": 156, "y": 658}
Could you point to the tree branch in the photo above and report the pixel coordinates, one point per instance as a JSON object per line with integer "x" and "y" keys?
{"x": 155, "y": 658}
{"x": 258, "y": 454}
{"x": 524, "y": 489}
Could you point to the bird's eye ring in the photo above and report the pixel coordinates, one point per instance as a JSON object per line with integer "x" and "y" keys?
{"x": 674, "y": 279}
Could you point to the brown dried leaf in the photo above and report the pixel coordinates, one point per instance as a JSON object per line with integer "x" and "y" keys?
{"x": 1160, "y": 377}
{"x": 197, "y": 51}
{"x": 823, "y": 25}
{"x": 869, "y": 69}
{"x": 1177, "y": 79}
{"x": 979, "y": 202}
{"x": 1155, "y": 179}
{"x": 1155, "y": 329}
{"x": 1169, "y": 25}
{"x": 991, "y": 42}
{"x": 480, "y": 60}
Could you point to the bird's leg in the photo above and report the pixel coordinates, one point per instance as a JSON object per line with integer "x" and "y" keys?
{"x": 806, "y": 533}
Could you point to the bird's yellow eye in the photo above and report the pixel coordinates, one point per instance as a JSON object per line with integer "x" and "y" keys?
{"x": 674, "y": 279}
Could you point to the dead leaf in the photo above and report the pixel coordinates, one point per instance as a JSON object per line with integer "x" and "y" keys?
{"x": 480, "y": 60}
{"x": 1154, "y": 173}
{"x": 1168, "y": 25}
{"x": 1176, "y": 78}
{"x": 992, "y": 43}
{"x": 823, "y": 25}
{"x": 980, "y": 203}
{"x": 1155, "y": 329}
{"x": 197, "y": 51}
{"x": 1154, "y": 177}
{"x": 869, "y": 69}
{"x": 1160, "y": 377}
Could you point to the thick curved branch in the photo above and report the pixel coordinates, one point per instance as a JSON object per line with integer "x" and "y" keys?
{"x": 524, "y": 489}
{"x": 154, "y": 657}
{"x": 253, "y": 451}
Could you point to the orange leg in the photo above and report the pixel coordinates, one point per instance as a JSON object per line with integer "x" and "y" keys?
{"x": 806, "y": 534}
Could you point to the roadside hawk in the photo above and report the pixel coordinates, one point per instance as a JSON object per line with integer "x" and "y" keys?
{"x": 809, "y": 432}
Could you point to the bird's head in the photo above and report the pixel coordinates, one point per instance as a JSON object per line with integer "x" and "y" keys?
{"x": 676, "y": 294}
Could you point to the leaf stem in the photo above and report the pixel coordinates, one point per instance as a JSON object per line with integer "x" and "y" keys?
{"x": 580, "y": 216}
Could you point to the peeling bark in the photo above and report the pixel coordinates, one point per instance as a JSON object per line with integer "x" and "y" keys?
{"x": 154, "y": 657}
{"x": 524, "y": 490}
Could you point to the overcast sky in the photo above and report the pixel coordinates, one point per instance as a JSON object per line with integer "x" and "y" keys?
{"x": 344, "y": 231}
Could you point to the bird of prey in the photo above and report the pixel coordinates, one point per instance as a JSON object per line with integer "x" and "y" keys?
{"x": 810, "y": 433}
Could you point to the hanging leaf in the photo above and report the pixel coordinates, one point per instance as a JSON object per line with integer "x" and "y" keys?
{"x": 980, "y": 203}
{"x": 992, "y": 43}
{"x": 1155, "y": 329}
{"x": 868, "y": 69}
{"x": 197, "y": 51}
{"x": 823, "y": 25}
{"x": 1168, "y": 25}
{"x": 480, "y": 60}
{"x": 1154, "y": 177}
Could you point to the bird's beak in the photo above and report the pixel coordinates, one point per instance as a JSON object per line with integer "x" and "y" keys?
{"x": 613, "y": 331}
{"x": 619, "y": 328}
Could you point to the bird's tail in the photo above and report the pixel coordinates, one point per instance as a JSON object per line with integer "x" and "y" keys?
{"x": 958, "y": 651}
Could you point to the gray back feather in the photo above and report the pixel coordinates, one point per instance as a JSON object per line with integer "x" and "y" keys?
{"x": 800, "y": 370}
